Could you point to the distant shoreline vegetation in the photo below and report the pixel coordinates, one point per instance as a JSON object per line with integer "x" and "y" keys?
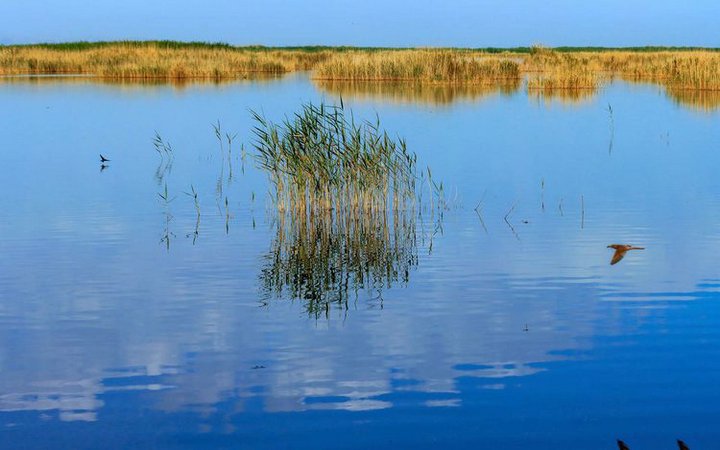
{"x": 86, "y": 45}
{"x": 543, "y": 69}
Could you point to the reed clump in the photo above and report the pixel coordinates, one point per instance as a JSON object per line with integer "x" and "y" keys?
{"x": 346, "y": 195}
{"x": 448, "y": 66}
{"x": 321, "y": 158}
{"x": 153, "y": 61}
{"x": 549, "y": 70}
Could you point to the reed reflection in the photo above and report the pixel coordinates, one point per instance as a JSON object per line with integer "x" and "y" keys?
{"x": 416, "y": 93}
{"x": 567, "y": 97}
{"x": 132, "y": 84}
{"x": 345, "y": 195}
{"x": 706, "y": 101}
{"x": 326, "y": 257}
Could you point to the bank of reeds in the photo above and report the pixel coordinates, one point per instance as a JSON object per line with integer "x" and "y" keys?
{"x": 425, "y": 65}
{"x": 699, "y": 70}
{"x": 546, "y": 68}
{"x": 153, "y": 61}
{"x": 321, "y": 158}
{"x": 689, "y": 70}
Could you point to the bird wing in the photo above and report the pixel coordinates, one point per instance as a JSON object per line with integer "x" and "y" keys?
{"x": 617, "y": 256}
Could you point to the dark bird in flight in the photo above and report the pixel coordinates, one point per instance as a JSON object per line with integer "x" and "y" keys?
{"x": 682, "y": 445}
{"x": 103, "y": 167}
{"x": 103, "y": 159}
{"x": 622, "y": 445}
{"x": 620, "y": 250}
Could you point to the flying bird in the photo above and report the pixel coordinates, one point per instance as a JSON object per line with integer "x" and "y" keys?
{"x": 682, "y": 445}
{"x": 620, "y": 250}
{"x": 103, "y": 159}
{"x": 622, "y": 445}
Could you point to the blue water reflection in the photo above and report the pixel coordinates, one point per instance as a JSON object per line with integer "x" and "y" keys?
{"x": 511, "y": 331}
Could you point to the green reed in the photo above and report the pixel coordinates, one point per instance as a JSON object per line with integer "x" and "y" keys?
{"x": 167, "y": 157}
{"x": 321, "y": 158}
{"x": 194, "y": 195}
{"x": 166, "y": 200}
{"x": 164, "y": 149}
{"x": 348, "y": 198}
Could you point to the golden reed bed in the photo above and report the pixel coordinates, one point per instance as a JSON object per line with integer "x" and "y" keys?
{"x": 153, "y": 62}
{"x": 544, "y": 69}
{"x": 427, "y": 65}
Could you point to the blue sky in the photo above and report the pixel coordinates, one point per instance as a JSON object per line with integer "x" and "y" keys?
{"x": 369, "y": 22}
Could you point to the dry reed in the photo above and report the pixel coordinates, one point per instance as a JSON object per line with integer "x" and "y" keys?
{"x": 545, "y": 68}
{"x": 673, "y": 69}
{"x": 447, "y": 66}
{"x": 153, "y": 61}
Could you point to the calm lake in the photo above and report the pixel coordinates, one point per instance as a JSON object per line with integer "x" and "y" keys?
{"x": 127, "y": 321}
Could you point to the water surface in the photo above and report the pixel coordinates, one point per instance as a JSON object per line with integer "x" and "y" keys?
{"x": 126, "y": 323}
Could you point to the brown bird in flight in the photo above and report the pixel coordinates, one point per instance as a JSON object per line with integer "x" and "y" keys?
{"x": 620, "y": 250}
{"x": 622, "y": 445}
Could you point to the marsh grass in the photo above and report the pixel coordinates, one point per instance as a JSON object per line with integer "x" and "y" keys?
{"x": 154, "y": 61}
{"x": 546, "y": 68}
{"x": 677, "y": 69}
{"x": 564, "y": 79}
{"x": 689, "y": 70}
{"x": 426, "y": 65}
{"x": 321, "y": 158}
